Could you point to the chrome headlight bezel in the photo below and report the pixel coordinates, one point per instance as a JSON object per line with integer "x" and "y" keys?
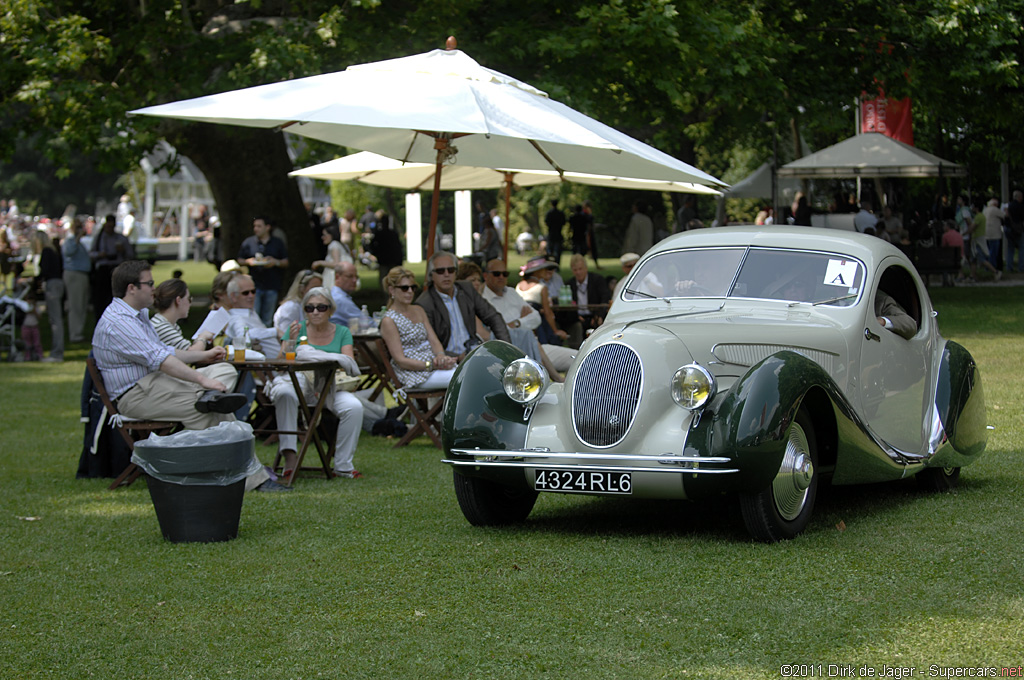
{"x": 524, "y": 381}
{"x": 693, "y": 386}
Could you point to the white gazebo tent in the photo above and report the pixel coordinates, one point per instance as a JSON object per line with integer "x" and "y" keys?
{"x": 871, "y": 154}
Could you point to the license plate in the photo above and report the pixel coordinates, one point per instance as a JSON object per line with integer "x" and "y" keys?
{"x": 571, "y": 481}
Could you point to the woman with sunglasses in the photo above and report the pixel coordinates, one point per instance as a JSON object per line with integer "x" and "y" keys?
{"x": 290, "y": 310}
{"x": 416, "y": 353}
{"x": 172, "y": 302}
{"x": 321, "y": 334}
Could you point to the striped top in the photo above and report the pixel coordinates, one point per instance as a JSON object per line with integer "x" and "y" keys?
{"x": 168, "y": 332}
{"x": 126, "y": 347}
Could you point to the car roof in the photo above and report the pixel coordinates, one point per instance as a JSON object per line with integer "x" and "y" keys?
{"x": 869, "y": 249}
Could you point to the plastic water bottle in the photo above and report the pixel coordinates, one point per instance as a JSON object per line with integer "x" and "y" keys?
{"x": 365, "y": 321}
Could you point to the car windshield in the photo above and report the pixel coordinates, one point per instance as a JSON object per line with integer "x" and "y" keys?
{"x": 763, "y": 273}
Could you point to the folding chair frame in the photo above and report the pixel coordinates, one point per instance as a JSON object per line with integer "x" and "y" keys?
{"x": 418, "y": 401}
{"x": 131, "y": 430}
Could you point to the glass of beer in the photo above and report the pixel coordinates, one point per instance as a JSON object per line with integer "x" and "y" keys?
{"x": 288, "y": 347}
{"x": 238, "y": 344}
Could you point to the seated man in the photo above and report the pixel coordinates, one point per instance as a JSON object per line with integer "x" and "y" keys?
{"x": 587, "y": 289}
{"x": 893, "y": 317}
{"x": 521, "y": 318}
{"x": 152, "y": 381}
{"x": 346, "y": 281}
{"x": 453, "y": 307}
{"x": 240, "y": 301}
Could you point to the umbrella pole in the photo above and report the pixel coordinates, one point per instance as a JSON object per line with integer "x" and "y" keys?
{"x": 508, "y": 204}
{"x": 441, "y": 144}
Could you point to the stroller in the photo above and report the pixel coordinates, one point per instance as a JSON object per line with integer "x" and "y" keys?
{"x": 13, "y": 308}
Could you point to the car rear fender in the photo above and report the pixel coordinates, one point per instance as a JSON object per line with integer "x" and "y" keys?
{"x": 960, "y": 403}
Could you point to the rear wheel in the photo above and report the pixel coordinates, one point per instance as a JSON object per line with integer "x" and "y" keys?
{"x": 487, "y": 503}
{"x": 783, "y": 510}
{"x": 938, "y": 480}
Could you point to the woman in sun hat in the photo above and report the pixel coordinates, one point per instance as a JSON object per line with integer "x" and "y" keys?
{"x": 534, "y": 290}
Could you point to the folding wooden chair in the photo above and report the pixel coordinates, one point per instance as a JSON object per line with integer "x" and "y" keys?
{"x": 425, "y": 416}
{"x": 132, "y": 430}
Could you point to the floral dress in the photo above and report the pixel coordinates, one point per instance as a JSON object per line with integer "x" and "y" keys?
{"x": 415, "y": 344}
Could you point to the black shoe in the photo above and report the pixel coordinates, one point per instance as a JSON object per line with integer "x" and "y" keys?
{"x": 271, "y": 485}
{"x": 214, "y": 401}
{"x": 396, "y": 412}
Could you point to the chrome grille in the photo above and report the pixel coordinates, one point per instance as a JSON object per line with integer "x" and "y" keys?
{"x": 606, "y": 395}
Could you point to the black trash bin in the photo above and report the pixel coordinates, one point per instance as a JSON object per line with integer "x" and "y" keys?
{"x": 196, "y": 479}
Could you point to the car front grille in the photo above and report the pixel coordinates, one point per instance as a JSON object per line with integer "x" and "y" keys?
{"x": 606, "y": 395}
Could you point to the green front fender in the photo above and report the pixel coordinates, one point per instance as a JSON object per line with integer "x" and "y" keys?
{"x": 477, "y": 412}
{"x": 749, "y": 423}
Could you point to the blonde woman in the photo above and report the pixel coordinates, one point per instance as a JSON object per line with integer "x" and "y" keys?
{"x": 416, "y": 353}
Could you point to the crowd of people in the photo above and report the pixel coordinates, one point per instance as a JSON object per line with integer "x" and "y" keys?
{"x": 146, "y": 360}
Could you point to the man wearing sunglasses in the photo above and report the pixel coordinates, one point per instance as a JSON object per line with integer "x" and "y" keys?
{"x": 454, "y": 306}
{"x": 506, "y": 300}
{"x": 241, "y": 298}
{"x": 149, "y": 380}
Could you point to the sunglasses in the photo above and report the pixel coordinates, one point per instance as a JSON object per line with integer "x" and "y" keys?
{"x": 145, "y": 283}
{"x": 498, "y": 273}
{"x": 407, "y": 288}
{"x": 444, "y": 270}
{"x": 251, "y": 291}
{"x": 316, "y": 308}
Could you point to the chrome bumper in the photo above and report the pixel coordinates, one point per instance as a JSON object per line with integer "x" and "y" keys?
{"x": 599, "y": 462}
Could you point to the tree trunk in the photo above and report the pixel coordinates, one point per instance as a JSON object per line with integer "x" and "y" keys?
{"x": 247, "y": 169}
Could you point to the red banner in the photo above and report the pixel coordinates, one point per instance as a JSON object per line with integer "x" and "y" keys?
{"x": 891, "y": 117}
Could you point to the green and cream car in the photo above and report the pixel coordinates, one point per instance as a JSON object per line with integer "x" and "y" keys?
{"x": 756, "y": 363}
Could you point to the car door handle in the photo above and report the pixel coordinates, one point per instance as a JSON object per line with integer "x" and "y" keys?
{"x": 871, "y": 336}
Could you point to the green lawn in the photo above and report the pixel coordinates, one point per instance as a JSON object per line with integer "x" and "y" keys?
{"x": 382, "y": 577}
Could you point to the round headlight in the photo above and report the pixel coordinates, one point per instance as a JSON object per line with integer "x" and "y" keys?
{"x": 524, "y": 380}
{"x": 693, "y": 386}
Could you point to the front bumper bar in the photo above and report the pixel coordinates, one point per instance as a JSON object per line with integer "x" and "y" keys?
{"x": 598, "y": 462}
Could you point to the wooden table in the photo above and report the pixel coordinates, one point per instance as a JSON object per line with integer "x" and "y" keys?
{"x": 265, "y": 370}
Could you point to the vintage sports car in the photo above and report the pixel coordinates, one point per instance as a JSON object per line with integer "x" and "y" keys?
{"x": 756, "y": 363}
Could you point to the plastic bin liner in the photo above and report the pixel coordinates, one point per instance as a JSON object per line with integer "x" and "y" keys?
{"x": 217, "y": 456}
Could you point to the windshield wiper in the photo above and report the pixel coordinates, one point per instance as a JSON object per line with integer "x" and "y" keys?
{"x": 829, "y": 301}
{"x": 639, "y": 292}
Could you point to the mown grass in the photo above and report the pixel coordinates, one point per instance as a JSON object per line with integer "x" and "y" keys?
{"x": 382, "y": 577}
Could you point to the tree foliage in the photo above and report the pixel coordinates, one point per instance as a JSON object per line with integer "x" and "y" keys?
{"x": 696, "y": 79}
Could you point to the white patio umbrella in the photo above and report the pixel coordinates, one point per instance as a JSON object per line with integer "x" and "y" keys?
{"x": 372, "y": 168}
{"x": 440, "y": 107}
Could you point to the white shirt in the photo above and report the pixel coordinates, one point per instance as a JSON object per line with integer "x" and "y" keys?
{"x": 510, "y": 305}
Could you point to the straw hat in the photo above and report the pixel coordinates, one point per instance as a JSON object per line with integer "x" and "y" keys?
{"x": 231, "y": 265}
{"x": 628, "y": 259}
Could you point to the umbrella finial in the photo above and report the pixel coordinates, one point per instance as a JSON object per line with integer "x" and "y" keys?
{"x": 451, "y": 43}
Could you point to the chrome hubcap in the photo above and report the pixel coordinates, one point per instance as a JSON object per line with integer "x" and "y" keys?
{"x": 789, "y": 489}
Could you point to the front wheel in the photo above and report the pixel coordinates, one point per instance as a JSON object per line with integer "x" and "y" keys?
{"x": 487, "y": 503}
{"x": 938, "y": 480}
{"x": 783, "y": 510}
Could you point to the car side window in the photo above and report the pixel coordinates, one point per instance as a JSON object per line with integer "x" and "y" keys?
{"x": 897, "y": 300}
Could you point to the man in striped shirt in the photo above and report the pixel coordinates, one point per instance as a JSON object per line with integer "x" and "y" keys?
{"x": 149, "y": 380}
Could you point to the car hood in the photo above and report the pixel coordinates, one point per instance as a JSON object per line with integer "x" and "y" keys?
{"x": 729, "y": 338}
